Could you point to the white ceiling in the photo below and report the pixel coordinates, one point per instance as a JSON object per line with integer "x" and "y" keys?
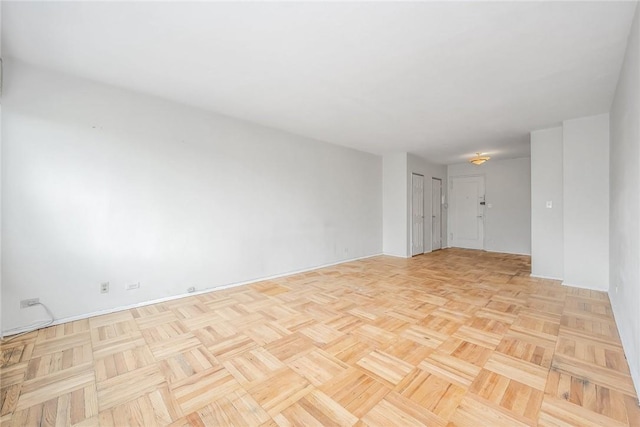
{"x": 442, "y": 80}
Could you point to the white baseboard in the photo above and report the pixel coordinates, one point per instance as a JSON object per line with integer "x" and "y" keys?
{"x": 511, "y": 253}
{"x": 184, "y": 295}
{"x": 628, "y": 342}
{"x": 573, "y": 285}
{"x": 539, "y": 276}
{"x": 395, "y": 255}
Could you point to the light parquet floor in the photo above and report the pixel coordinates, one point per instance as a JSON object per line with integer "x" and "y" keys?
{"x": 455, "y": 337}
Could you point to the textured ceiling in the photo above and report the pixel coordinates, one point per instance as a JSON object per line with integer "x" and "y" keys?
{"x": 442, "y": 80}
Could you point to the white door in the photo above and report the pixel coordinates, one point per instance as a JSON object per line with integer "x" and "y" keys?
{"x": 436, "y": 214}
{"x": 417, "y": 214}
{"x": 467, "y": 212}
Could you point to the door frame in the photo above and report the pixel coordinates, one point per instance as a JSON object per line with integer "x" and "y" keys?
{"x": 433, "y": 178}
{"x": 450, "y": 222}
{"x": 411, "y": 254}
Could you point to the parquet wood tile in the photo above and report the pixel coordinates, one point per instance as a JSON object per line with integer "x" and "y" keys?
{"x": 122, "y": 362}
{"x": 473, "y": 412}
{"x": 11, "y": 379}
{"x": 387, "y": 369}
{"x": 408, "y": 351}
{"x": 516, "y": 369}
{"x": 504, "y": 318}
{"x": 483, "y": 338}
{"x": 318, "y": 367}
{"x": 181, "y": 367}
{"x": 206, "y": 387}
{"x": 437, "y": 395}
{"x": 42, "y": 389}
{"x": 560, "y": 412}
{"x": 48, "y": 364}
{"x": 280, "y": 390}
{"x": 398, "y": 411}
{"x": 610, "y": 378}
{"x": 348, "y": 349}
{"x": 527, "y": 351}
{"x": 266, "y": 333}
{"x": 315, "y": 409}
{"x": 254, "y": 366}
{"x": 154, "y": 408}
{"x": 237, "y": 408}
{"x": 122, "y": 388}
{"x": 518, "y": 398}
{"x": 374, "y": 335}
{"x": 231, "y": 347}
{"x": 321, "y": 333}
{"x": 291, "y": 347}
{"x": 408, "y": 407}
{"x": 424, "y": 336}
{"x": 346, "y": 323}
{"x": 60, "y": 344}
{"x": 579, "y": 391}
{"x": 450, "y": 368}
{"x": 466, "y": 351}
{"x": 355, "y": 391}
{"x": 455, "y": 337}
{"x": 65, "y": 329}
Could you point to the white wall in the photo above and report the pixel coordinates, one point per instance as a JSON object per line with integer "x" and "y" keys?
{"x": 586, "y": 202}
{"x": 418, "y": 165}
{"x": 624, "y": 220}
{"x": 395, "y": 223}
{"x": 507, "y": 226}
{"x": 1, "y": 173}
{"x": 547, "y": 247}
{"x": 101, "y": 184}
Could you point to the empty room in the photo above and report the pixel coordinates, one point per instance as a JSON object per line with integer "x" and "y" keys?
{"x": 320, "y": 213}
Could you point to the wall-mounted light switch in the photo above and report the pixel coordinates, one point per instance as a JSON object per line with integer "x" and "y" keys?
{"x": 549, "y": 204}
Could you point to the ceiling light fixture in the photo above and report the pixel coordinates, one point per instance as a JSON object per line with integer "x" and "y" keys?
{"x": 478, "y": 159}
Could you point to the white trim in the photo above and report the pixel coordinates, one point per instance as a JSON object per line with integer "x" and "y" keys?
{"x": 584, "y": 287}
{"x": 493, "y": 252}
{"x": 538, "y": 276}
{"x": 396, "y": 255}
{"x": 174, "y": 297}
{"x": 510, "y": 253}
{"x": 626, "y": 339}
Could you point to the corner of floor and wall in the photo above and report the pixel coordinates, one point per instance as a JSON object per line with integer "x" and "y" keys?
{"x": 624, "y": 204}
{"x": 585, "y": 203}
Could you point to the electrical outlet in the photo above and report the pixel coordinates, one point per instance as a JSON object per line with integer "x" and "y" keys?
{"x": 132, "y": 286}
{"x": 29, "y": 302}
{"x": 104, "y": 288}
{"x": 191, "y": 289}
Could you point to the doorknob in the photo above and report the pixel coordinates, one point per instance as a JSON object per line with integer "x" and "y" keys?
{"x": 479, "y": 216}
